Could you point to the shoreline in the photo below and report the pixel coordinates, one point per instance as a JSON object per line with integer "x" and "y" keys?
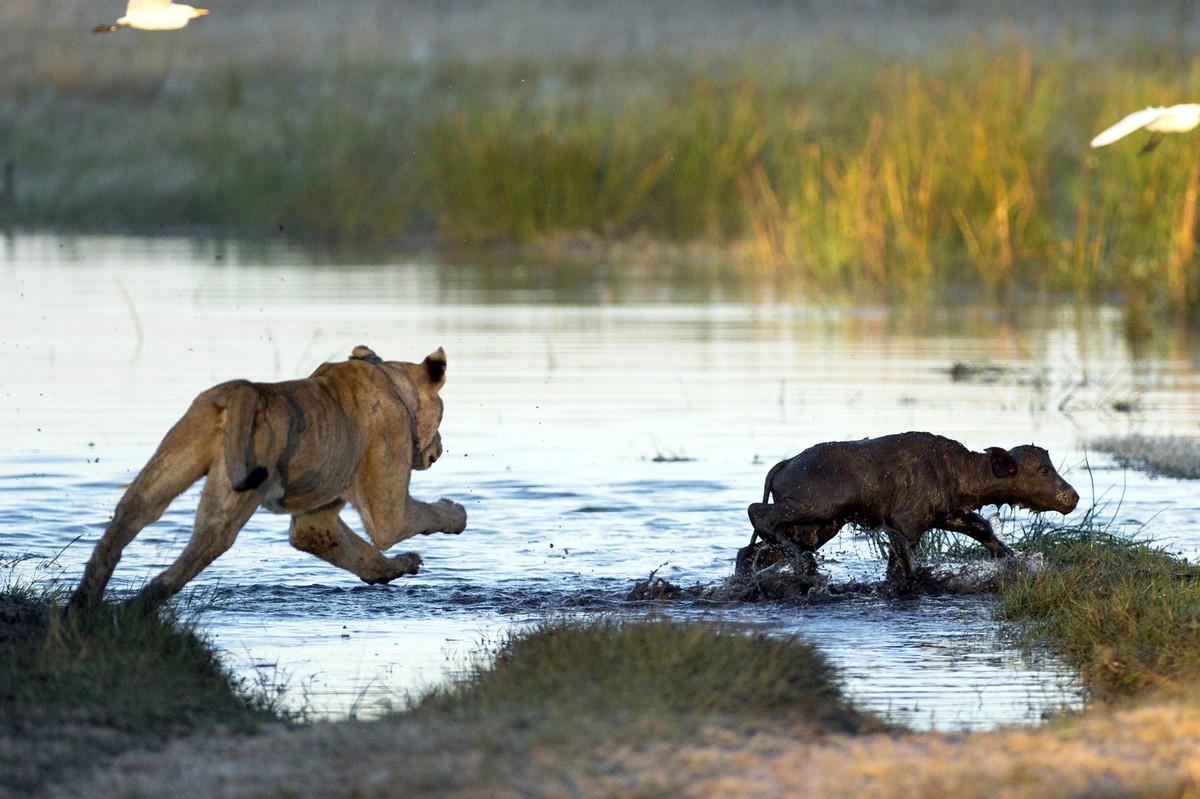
{"x": 1152, "y": 749}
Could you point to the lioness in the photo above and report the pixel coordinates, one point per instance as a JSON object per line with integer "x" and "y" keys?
{"x": 350, "y": 432}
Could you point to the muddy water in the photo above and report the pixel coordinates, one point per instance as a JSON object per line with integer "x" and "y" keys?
{"x": 601, "y": 424}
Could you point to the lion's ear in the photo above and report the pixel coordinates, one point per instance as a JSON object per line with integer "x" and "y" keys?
{"x": 364, "y": 353}
{"x": 435, "y": 367}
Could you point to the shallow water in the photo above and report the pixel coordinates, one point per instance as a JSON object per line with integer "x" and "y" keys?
{"x": 601, "y": 423}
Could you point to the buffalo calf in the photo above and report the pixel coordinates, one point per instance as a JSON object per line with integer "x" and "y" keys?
{"x": 905, "y": 484}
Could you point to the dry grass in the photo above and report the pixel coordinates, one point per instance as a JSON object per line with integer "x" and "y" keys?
{"x": 1149, "y": 751}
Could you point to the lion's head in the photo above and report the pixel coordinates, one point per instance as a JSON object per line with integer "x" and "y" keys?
{"x": 427, "y": 378}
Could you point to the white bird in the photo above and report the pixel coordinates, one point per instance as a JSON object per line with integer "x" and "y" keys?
{"x": 154, "y": 15}
{"x": 1156, "y": 119}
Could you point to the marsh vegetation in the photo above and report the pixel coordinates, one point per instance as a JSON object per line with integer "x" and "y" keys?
{"x": 1160, "y": 456}
{"x": 832, "y": 162}
{"x": 1124, "y": 612}
{"x": 651, "y": 677}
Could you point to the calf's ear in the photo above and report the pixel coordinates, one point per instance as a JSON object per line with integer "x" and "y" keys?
{"x": 1003, "y": 464}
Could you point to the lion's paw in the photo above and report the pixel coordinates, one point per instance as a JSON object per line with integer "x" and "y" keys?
{"x": 407, "y": 563}
{"x": 456, "y": 515}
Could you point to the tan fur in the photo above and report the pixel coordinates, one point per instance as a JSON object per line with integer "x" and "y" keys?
{"x": 350, "y": 432}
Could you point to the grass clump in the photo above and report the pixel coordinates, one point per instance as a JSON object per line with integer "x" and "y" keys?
{"x": 1160, "y": 456}
{"x": 76, "y": 689}
{"x": 1124, "y": 613}
{"x": 645, "y": 674}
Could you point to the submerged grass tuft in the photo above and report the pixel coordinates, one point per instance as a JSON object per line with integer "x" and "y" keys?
{"x": 1160, "y": 456}
{"x": 650, "y": 672}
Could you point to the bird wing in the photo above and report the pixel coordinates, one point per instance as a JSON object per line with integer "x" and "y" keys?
{"x": 1135, "y": 121}
{"x": 146, "y": 5}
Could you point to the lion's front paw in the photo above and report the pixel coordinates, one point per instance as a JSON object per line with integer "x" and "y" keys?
{"x": 407, "y": 563}
{"x": 455, "y": 514}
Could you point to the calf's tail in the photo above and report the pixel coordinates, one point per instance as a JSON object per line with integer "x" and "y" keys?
{"x": 767, "y": 493}
{"x": 771, "y": 477}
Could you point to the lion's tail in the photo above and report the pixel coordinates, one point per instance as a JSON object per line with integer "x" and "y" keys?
{"x": 240, "y": 411}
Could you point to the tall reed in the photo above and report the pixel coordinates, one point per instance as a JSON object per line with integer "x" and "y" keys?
{"x": 834, "y": 165}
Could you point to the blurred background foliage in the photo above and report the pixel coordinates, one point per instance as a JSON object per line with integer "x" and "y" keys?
{"x": 839, "y": 145}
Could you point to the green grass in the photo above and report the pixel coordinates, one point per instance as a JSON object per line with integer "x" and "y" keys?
{"x": 1123, "y": 612}
{"x": 647, "y": 675}
{"x": 74, "y": 689}
{"x": 831, "y": 164}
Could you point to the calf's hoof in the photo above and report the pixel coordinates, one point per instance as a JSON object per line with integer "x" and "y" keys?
{"x": 757, "y": 556}
{"x": 744, "y": 563}
{"x": 806, "y": 563}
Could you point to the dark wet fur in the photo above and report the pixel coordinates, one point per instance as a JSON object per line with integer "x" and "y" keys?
{"x": 905, "y": 484}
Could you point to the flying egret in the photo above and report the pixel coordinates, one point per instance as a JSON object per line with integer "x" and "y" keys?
{"x": 154, "y": 15}
{"x": 1156, "y": 119}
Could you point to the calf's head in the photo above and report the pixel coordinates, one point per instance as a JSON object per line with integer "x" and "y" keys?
{"x": 1028, "y": 479}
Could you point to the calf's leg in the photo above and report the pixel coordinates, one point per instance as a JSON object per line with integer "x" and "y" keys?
{"x": 785, "y": 529}
{"x": 901, "y": 563}
{"x": 783, "y": 522}
{"x": 977, "y": 527}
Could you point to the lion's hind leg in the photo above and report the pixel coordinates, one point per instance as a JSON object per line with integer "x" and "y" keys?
{"x": 220, "y": 515}
{"x": 324, "y": 534}
{"x": 180, "y": 460}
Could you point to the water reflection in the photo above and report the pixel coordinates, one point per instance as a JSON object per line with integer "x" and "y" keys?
{"x": 565, "y": 383}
